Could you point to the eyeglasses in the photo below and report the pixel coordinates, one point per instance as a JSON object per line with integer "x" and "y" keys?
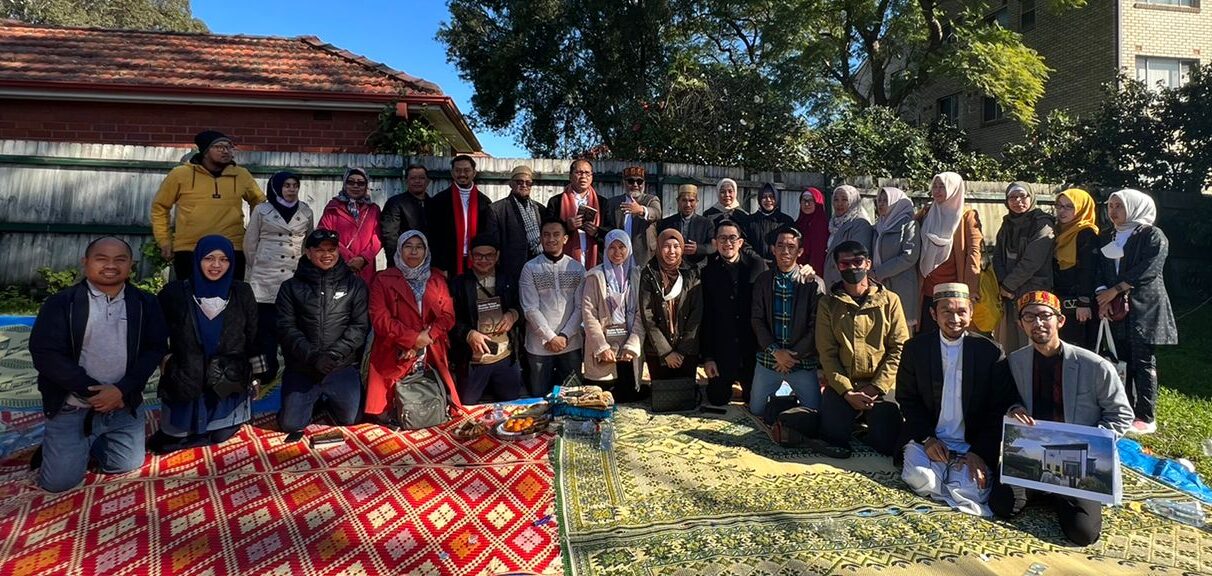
{"x": 1044, "y": 317}
{"x": 482, "y": 256}
{"x": 634, "y": 180}
{"x": 729, "y": 239}
{"x": 224, "y": 147}
{"x": 355, "y": 182}
{"x": 1018, "y": 197}
{"x": 524, "y": 183}
{"x": 582, "y": 173}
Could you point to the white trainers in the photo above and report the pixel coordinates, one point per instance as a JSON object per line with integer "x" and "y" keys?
{"x": 1140, "y": 428}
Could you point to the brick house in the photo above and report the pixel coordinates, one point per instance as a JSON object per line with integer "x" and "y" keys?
{"x": 160, "y": 88}
{"x": 1153, "y": 40}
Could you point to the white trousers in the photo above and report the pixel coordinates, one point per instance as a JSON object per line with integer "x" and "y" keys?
{"x": 944, "y": 481}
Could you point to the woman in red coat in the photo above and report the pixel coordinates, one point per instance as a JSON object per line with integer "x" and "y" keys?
{"x": 355, "y": 218}
{"x": 411, "y": 313}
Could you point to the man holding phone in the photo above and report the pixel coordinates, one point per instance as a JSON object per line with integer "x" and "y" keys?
{"x": 486, "y": 310}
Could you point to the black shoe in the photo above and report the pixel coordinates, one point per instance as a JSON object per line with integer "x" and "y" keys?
{"x": 294, "y": 436}
{"x": 831, "y": 451}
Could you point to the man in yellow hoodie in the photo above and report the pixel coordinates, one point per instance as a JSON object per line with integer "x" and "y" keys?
{"x": 207, "y": 192}
{"x": 860, "y": 331}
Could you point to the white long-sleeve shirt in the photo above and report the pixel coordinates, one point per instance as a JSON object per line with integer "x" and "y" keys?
{"x": 551, "y": 299}
{"x": 950, "y": 428}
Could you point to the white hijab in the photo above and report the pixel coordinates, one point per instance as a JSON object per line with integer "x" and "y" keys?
{"x": 940, "y": 224}
{"x": 1139, "y": 206}
{"x": 618, "y": 278}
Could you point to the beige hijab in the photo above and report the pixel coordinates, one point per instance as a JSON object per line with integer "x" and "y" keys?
{"x": 941, "y": 222}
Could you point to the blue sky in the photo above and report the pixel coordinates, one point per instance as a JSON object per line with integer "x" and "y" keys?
{"x": 397, "y": 33}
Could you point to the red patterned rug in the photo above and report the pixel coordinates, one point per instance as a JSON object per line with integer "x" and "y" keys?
{"x": 382, "y": 502}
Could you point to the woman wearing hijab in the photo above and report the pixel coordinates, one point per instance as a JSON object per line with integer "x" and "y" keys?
{"x": 729, "y": 205}
{"x": 765, "y": 221}
{"x": 273, "y": 245}
{"x": 671, "y": 309}
{"x": 896, "y": 249}
{"x": 1023, "y": 258}
{"x": 1075, "y": 266}
{"x": 411, "y": 313}
{"x": 206, "y": 386}
{"x": 849, "y": 222}
{"x": 1132, "y": 259}
{"x": 813, "y": 224}
{"x": 613, "y": 335}
{"x": 355, "y": 218}
{"x": 951, "y": 243}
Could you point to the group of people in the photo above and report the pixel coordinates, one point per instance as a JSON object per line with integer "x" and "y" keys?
{"x": 867, "y": 322}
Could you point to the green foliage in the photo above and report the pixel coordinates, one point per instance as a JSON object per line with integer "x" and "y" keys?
{"x": 166, "y": 15}
{"x": 995, "y": 61}
{"x": 406, "y": 137}
{"x": 1050, "y": 152}
{"x": 15, "y": 300}
{"x": 53, "y": 281}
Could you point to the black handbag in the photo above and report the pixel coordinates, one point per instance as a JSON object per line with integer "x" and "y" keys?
{"x": 228, "y": 375}
{"x": 675, "y": 395}
{"x": 776, "y": 405}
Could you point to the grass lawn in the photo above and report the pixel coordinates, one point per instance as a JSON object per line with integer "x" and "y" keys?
{"x": 1184, "y": 403}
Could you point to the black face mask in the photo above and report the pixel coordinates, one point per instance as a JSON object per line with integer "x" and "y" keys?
{"x": 854, "y": 275}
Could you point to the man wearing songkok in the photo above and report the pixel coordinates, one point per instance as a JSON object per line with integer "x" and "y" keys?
{"x": 944, "y": 388}
{"x": 697, "y": 230}
{"x": 1060, "y": 382}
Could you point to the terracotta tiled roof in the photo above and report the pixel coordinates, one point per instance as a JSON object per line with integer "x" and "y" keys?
{"x": 187, "y": 61}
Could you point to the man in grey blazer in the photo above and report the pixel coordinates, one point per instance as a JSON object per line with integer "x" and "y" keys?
{"x": 635, "y": 212}
{"x": 1052, "y": 380}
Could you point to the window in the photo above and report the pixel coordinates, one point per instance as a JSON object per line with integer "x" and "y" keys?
{"x": 992, "y": 110}
{"x": 948, "y": 107}
{"x": 1163, "y": 72}
{"x": 1001, "y": 17}
{"x": 1027, "y": 16}
{"x": 1187, "y": 3}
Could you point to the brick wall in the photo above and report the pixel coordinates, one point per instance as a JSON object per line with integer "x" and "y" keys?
{"x": 282, "y": 130}
{"x": 1165, "y": 31}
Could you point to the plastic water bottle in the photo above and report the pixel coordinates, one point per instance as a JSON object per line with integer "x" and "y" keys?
{"x": 498, "y": 413}
{"x": 606, "y": 436}
{"x": 784, "y": 389}
{"x": 1188, "y": 512}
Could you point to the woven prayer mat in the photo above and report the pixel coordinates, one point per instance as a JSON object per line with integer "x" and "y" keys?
{"x": 689, "y": 495}
{"x": 382, "y": 502}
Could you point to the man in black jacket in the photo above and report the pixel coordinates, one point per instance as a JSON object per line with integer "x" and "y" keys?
{"x": 945, "y": 390}
{"x": 322, "y": 326}
{"x": 483, "y": 337}
{"x": 635, "y": 212}
{"x": 515, "y": 225}
{"x": 784, "y": 324}
{"x": 456, "y": 215}
{"x": 695, "y": 229}
{"x": 404, "y": 212}
{"x": 94, "y": 346}
{"x": 727, "y": 346}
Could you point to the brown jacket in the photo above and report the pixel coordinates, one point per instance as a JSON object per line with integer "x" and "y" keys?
{"x": 595, "y": 314}
{"x": 861, "y": 342}
{"x": 964, "y": 264}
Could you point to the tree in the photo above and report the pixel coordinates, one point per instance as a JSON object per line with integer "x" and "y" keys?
{"x": 166, "y": 15}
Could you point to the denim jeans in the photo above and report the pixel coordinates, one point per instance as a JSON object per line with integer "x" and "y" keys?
{"x": 116, "y": 441}
{"x": 504, "y": 377}
{"x": 341, "y": 390}
{"x": 547, "y": 371}
{"x": 804, "y": 383}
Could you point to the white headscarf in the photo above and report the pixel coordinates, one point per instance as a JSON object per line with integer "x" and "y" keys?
{"x": 940, "y": 224}
{"x": 736, "y": 203}
{"x": 1140, "y": 208}
{"x": 618, "y": 278}
{"x": 900, "y": 209}
{"x": 855, "y": 211}
{"x": 417, "y": 277}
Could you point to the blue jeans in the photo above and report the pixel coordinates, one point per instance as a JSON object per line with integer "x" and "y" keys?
{"x": 116, "y": 441}
{"x": 547, "y": 371}
{"x": 341, "y": 390}
{"x": 804, "y": 383}
{"x": 503, "y": 376}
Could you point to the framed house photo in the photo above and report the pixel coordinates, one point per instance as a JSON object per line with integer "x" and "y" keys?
{"x": 1067, "y": 459}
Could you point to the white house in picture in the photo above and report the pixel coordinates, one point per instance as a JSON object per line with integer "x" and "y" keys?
{"x": 1068, "y": 462}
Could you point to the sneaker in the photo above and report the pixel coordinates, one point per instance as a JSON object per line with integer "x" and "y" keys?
{"x": 1140, "y": 428}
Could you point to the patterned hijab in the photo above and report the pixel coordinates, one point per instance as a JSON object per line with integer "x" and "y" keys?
{"x": 1084, "y": 218}
{"x": 352, "y": 205}
{"x": 855, "y": 211}
{"x": 417, "y": 277}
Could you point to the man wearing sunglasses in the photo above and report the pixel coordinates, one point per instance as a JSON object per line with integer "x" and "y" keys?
{"x": 860, "y": 330}
{"x": 1057, "y": 381}
{"x": 515, "y": 224}
{"x": 635, "y": 211}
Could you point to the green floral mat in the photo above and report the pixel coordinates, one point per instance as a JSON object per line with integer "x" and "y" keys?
{"x": 689, "y": 495}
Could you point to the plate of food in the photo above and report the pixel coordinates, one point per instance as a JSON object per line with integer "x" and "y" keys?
{"x": 470, "y": 429}
{"x": 519, "y": 427}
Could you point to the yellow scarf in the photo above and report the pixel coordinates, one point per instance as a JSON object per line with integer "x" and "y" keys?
{"x": 1084, "y": 217}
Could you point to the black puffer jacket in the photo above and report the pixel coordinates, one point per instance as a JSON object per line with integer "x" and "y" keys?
{"x": 322, "y": 312}
{"x": 185, "y": 373}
